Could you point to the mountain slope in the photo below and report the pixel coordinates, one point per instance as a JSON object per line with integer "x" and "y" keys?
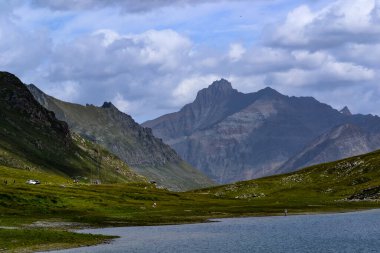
{"x": 343, "y": 141}
{"x": 249, "y": 135}
{"x": 121, "y": 135}
{"x": 351, "y": 179}
{"x": 32, "y": 138}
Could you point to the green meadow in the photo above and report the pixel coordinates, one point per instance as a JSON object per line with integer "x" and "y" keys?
{"x": 40, "y": 215}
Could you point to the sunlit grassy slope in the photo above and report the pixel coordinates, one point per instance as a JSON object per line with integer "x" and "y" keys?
{"x": 352, "y": 179}
{"x": 350, "y": 184}
{"x": 344, "y": 185}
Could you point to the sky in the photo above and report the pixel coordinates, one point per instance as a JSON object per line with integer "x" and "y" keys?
{"x": 150, "y": 57}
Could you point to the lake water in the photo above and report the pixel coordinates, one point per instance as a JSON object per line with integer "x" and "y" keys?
{"x": 347, "y": 232}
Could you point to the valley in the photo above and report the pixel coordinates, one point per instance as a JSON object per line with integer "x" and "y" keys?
{"x": 341, "y": 186}
{"x": 56, "y": 176}
{"x": 189, "y": 126}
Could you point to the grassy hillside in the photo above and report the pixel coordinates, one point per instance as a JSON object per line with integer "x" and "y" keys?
{"x": 347, "y": 185}
{"x": 100, "y": 164}
{"x": 31, "y": 138}
{"x": 335, "y": 183}
{"x": 58, "y": 199}
{"x": 121, "y": 135}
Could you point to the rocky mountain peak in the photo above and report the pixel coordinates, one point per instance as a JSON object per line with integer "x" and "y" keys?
{"x": 19, "y": 107}
{"x": 108, "y": 105}
{"x": 346, "y": 111}
{"x": 218, "y": 89}
{"x": 268, "y": 91}
{"x": 221, "y": 85}
{"x": 17, "y": 99}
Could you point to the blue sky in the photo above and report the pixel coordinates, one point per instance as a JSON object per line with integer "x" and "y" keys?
{"x": 151, "y": 57}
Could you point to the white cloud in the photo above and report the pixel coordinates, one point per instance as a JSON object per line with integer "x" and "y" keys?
{"x": 66, "y": 91}
{"x": 134, "y": 107}
{"x": 21, "y": 49}
{"x": 187, "y": 89}
{"x": 248, "y": 83}
{"x": 108, "y": 36}
{"x": 125, "y": 5}
{"x": 107, "y": 54}
{"x": 236, "y": 52}
{"x": 336, "y": 24}
{"x": 364, "y": 54}
{"x": 155, "y": 62}
{"x": 165, "y": 47}
{"x": 348, "y": 72}
{"x": 353, "y": 16}
{"x": 292, "y": 32}
{"x": 329, "y": 73}
{"x": 307, "y": 59}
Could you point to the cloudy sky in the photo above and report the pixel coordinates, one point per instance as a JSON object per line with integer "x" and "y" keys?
{"x": 150, "y": 57}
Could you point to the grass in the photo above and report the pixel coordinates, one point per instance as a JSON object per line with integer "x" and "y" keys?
{"x": 348, "y": 185}
{"x": 29, "y": 240}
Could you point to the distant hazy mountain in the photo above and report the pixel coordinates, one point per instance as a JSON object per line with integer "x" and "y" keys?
{"x": 31, "y": 138}
{"x": 343, "y": 141}
{"x": 346, "y": 111}
{"x": 233, "y": 136}
{"x": 120, "y": 134}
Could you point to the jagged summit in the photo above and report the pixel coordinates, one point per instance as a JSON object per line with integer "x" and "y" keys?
{"x": 345, "y": 111}
{"x": 221, "y": 84}
{"x": 218, "y": 89}
{"x": 108, "y": 105}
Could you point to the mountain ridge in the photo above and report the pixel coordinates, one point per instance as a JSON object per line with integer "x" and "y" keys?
{"x": 250, "y": 135}
{"x": 32, "y": 138}
{"x": 136, "y": 145}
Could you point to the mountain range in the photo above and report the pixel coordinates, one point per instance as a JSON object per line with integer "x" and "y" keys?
{"x": 121, "y": 135}
{"x": 232, "y": 136}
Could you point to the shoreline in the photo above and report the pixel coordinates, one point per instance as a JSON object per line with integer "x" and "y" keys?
{"x": 211, "y": 220}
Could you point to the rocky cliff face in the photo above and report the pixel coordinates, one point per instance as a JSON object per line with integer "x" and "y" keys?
{"x": 233, "y": 136}
{"x": 18, "y": 103}
{"x": 28, "y": 129}
{"x": 121, "y": 135}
